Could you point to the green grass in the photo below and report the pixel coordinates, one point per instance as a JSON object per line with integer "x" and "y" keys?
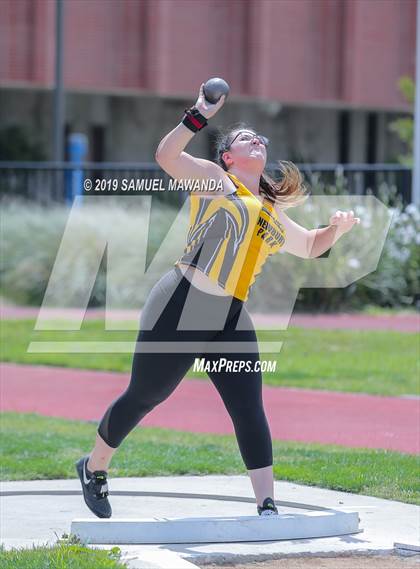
{"x": 374, "y": 362}
{"x": 61, "y": 556}
{"x": 36, "y": 447}
{"x": 375, "y": 310}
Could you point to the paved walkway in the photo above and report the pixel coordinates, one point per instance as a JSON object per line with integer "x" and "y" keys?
{"x": 351, "y": 420}
{"x": 348, "y": 321}
{"x": 383, "y": 522}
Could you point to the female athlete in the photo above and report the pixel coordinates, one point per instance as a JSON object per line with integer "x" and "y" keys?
{"x": 198, "y": 309}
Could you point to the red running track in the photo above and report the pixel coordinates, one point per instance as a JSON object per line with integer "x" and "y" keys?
{"x": 310, "y": 416}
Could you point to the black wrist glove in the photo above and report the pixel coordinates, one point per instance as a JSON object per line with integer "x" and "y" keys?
{"x": 194, "y": 120}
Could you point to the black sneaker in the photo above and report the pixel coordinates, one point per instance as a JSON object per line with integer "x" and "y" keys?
{"x": 95, "y": 489}
{"x": 268, "y": 508}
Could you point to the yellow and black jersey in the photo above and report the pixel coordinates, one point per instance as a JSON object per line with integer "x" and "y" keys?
{"x": 230, "y": 238}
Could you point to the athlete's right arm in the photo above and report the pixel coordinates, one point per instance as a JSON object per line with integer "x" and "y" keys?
{"x": 180, "y": 165}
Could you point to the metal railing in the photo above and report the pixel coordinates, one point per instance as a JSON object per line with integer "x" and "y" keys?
{"x": 361, "y": 177}
{"x": 47, "y": 182}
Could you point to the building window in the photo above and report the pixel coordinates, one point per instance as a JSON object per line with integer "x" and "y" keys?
{"x": 343, "y": 137}
{"x": 371, "y": 137}
{"x": 98, "y": 143}
{"x": 97, "y": 147}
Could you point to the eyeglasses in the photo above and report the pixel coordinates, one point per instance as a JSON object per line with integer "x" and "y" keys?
{"x": 248, "y": 136}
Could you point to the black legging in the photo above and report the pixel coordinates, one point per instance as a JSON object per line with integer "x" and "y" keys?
{"x": 155, "y": 375}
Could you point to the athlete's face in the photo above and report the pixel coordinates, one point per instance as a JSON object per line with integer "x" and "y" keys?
{"x": 247, "y": 150}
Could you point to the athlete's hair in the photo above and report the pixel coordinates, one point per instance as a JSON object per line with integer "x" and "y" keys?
{"x": 287, "y": 192}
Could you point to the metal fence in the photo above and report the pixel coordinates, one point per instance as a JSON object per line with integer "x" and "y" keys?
{"x": 46, "y": 182}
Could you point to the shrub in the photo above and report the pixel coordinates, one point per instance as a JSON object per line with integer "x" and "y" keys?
{"x": 30, "y": 239}
{"x": 31, "y": 236}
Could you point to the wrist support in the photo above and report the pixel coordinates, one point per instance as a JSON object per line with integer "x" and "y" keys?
{"x": 194, "y": 120}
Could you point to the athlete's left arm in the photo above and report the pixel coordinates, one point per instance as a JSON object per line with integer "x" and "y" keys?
{"x": 310, "y": 243}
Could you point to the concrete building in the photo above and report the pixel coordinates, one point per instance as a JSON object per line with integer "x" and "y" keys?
{"x": 318, "y": 77}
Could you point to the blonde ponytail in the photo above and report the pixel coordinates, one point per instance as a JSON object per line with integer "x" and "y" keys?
{"x": 287, "y": 192}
